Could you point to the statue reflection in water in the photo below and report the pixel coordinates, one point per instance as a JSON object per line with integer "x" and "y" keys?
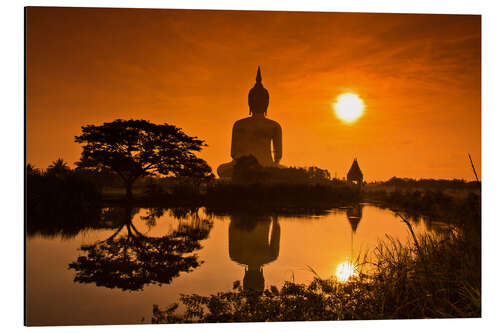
{"x": 254, "y": 241}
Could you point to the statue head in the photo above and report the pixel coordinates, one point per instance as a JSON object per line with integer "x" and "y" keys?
{"x": 253, "y": 280}
{"x": 258, "y": 97}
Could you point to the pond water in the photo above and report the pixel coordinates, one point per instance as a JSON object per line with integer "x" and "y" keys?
{"x": 155, "y": 255}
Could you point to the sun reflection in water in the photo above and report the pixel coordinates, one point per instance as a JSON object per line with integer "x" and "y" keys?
{"x": 345, "y": 271}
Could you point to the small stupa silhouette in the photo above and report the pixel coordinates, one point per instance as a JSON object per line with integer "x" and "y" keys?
{"x": 355, "y": 175}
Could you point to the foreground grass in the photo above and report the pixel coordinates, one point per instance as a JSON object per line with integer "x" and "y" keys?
{"x": 429, "y": 278}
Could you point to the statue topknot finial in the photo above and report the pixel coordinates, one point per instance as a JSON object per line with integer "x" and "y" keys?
{"x": 258, "y": 79}
{"x": 258, "y": 97}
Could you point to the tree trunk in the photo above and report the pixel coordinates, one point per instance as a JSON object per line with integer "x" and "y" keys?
{"x": 128, "y": 187}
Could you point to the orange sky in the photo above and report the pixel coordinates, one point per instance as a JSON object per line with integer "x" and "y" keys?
{"x": 419, "y": 76}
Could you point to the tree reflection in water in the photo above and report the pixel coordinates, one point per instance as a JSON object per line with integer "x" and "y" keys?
{"x": 131, "y": 260}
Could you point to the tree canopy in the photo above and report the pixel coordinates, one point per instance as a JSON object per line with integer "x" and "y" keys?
{"x": 135, "y": 148}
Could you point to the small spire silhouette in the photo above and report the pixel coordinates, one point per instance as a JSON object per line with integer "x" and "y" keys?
{"x": 259, "y": 76}
{"x": 355, "y": 173}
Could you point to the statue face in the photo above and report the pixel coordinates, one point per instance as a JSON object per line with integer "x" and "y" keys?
{"x": 258, "y": 99}
{"x": 254, "y": 280}
{"x": 258, "y": 109}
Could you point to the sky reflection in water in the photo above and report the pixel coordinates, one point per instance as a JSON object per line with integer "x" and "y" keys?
{"x": 258, "y": 250}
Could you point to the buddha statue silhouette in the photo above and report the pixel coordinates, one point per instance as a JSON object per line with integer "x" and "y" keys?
{"x": 254, "y": 241}
{"x": 255, "y": 134}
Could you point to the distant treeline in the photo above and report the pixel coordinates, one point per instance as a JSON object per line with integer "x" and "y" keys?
{"x": 431, "y": 183}
{"x": 60, "y": 200}
{"x": 61, "y": 191}
{"x": 463, "y": 211}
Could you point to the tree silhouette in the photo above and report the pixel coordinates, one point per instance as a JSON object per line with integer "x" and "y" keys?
{"x": 133, "y": 260}
{"x": 31, "y": 170}
{"x": 135, "y": 148}
{"x": 58, "y": 168}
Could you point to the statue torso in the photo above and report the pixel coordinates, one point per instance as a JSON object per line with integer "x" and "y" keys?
{"x": 253, "y": 136}
{"x": 253, "y": 242}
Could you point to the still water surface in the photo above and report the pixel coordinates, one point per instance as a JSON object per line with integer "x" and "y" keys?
{"x": 259, "y": 251}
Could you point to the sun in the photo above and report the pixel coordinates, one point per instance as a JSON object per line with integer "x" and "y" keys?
{"x": 348, "y": 107}
{"x": 345, "y": 271}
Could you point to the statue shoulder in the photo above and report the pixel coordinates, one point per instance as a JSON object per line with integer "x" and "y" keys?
{"x": 241, "y": 122}
{"x": 275, "y": 124}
